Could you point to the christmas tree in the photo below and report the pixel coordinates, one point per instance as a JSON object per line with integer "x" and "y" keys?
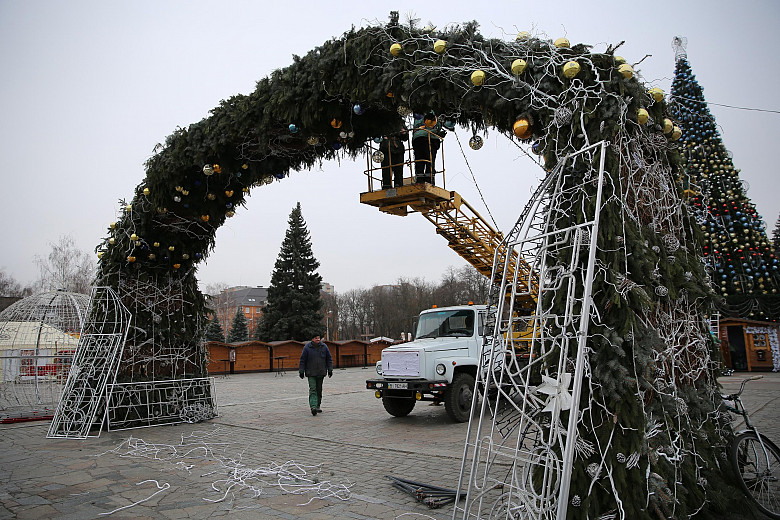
{"x": 741, "y": 261}
{"x": 238, "y": 330}
{"x": 293, "y": 308}
{"x": 214, "y": 331}
{"x": 776, "y": 236}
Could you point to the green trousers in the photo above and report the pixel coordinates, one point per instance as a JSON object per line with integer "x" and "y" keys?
{"x": 315, "y": 391}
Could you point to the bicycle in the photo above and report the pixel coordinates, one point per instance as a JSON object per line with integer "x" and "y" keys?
{"x": 756, "y": 459}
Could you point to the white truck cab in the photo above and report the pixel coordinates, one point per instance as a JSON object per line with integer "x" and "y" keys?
{"x": 440, "y": 365}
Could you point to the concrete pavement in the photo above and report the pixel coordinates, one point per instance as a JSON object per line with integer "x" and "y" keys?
{"x": 264, "y": 457}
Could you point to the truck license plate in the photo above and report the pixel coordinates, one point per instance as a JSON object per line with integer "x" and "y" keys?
{"x": 397, "y": 386}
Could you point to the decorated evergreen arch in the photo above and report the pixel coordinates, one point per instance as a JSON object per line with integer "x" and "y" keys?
{"x": 650, "y": 422}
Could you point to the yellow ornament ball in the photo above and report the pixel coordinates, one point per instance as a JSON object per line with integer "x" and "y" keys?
{"x": 152, "y": 256}
{"x": 522, "y": 128}
{"x": 112, "y": 225}
{"x": 562, "y": 43}
{"x": 185, "y": 256}
{"x": 244, "y": 166}
{"x": 626, "y": 70}
{"x": 171, "y": 248}
{"x": 204, "y": 218}
{"x": 211, "y": 196}
{"x": 228, "y": 193}
{"x": 668, "y": 126}
{"x": 134, "y": 237}
{"x": 571, "y": 69}
{"x": 439, "y": 46}
{"x": 657, "y": 93}
{"x": 100, "y": 254}
{"x": 395, "y": 49}
{"x": 335, "y": 123}
{"x": 176, "y": 266}
{"x": 478, "y": 77}
{"x": 230, "y": 213}
{"x": 129, "y": 207}
{"x": 642, "y": 116}
{"x": 522, "y": 36}
{"x": 112, "y": 241}
{"x": 518, "y": 66}
{"x": 147, "y": 191}
{"x": 156, "y": 244}
{"x": 131, "y": 259}
{"x": 676, "y": 133}
{"x": 619, "y": 59}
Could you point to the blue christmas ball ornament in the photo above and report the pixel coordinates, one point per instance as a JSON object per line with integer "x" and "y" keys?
{"x": 229, "y": 205}
{"x": 280, "y": 175}
{"x": 536, "y": 147}
{"x": 293, "y": 128}
{"x": 198, "y": 255}
{"x": 358, "y": 110}
{"x": 197, "y": 183}
{"x": 336, "y": 146}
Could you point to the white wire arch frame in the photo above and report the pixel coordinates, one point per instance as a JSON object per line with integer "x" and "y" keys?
{"x": 521, "y": 412}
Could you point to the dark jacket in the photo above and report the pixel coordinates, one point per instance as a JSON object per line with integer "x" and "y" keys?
{"x": 315, "y": 360}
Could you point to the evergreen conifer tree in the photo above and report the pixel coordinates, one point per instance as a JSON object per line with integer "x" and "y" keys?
{"x": 238, "y": 329}
{"x": 214, "y": 331}
{"x": 293, "y": 309}
{"x": 743, "y": 267}
{"x": 776, "y": 236}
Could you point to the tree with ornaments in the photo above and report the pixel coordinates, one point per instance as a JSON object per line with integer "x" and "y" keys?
{"x": 776, "y": 236}
{"x": 293, "y": 308}
{"x": 742, "y": 264}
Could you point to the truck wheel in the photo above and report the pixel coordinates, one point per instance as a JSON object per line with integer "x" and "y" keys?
{"x": 398, "y": 406}
{"x": 457, "y": 402}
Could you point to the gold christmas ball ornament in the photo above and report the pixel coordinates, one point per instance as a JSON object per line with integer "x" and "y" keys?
{"x": 676, "y": 133}
{"x": 100, "y": 254}
{"x": 522, "y": 128}
{"x": 112, "y": 241}
{"x": 571, "y": 69}
{"x": 152, "y": 256}
{"x": 204, "y": 218}
{"x": 147, "y": 191}
{"x": 134, "y": 237}
{"x": 626, "y": 70}
{"x": 657, "y": 94}
{"x": 129, "y": 207}
{"x": 522, "y": 36}
{"x": 211, "y": 196}
{"x": 562, "y": 43}
{"x": 185, "y": 256}
{"x": 156, "y": 244}
{"x": 217, "y": 168}
{"x": 478, "y": 77}
{"x": 619, "y": 60}
{"x": 228, "y": 193}
{"x": 395, "y": 49}
{"x": 230, "y": 213}
{"x": 171, "y": 248}
{"x": 476, "y": 142}
{"x": 642, "y": 116}
{"x": 131, "y": 259}
{"x": 185, "y": 192}
{"x": 176, "y": 266}
{"x": 313, "y": 140}
{"x": 208, "y": 170}
{"x": 518, "y": 66}
{"x": 178, "y": 188}
{"x": 244, "y": 166}
{"x": 668, "y": 126}
{"x": 335, "y": 123}
{"x": 439, "y": 46}
{"x": 112, "y": 225}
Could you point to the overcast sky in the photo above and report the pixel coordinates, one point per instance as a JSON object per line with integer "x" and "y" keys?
{"x": 90, "y": 87}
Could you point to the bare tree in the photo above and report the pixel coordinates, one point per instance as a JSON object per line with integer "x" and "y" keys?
{"x": 10, "y": 287}
{"x": 221, "y": 303}
{"x": 66, "y": 267}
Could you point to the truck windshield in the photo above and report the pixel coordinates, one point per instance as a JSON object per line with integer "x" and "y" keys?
{"x": 455, "y": 323}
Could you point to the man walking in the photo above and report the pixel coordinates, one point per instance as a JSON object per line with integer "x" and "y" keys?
{"x": 315, "y": 363}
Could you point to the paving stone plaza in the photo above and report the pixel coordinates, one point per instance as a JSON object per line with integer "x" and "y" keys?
{"x": 240, "y": 464}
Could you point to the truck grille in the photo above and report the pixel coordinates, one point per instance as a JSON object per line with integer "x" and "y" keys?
{"x": 401, "y": 364}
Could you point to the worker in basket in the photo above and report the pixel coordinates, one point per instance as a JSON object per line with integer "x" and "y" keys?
{"x": 426, "y": 140}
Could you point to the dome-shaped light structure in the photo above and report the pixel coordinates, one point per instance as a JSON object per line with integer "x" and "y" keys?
{"x": 38, "y": 337}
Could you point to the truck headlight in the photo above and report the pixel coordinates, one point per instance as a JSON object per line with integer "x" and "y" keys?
{"x": 379, "y": 368}
{"x": 441, "y": 369}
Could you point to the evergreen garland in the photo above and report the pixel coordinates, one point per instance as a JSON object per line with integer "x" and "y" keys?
{"x": 652, "y": 420}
